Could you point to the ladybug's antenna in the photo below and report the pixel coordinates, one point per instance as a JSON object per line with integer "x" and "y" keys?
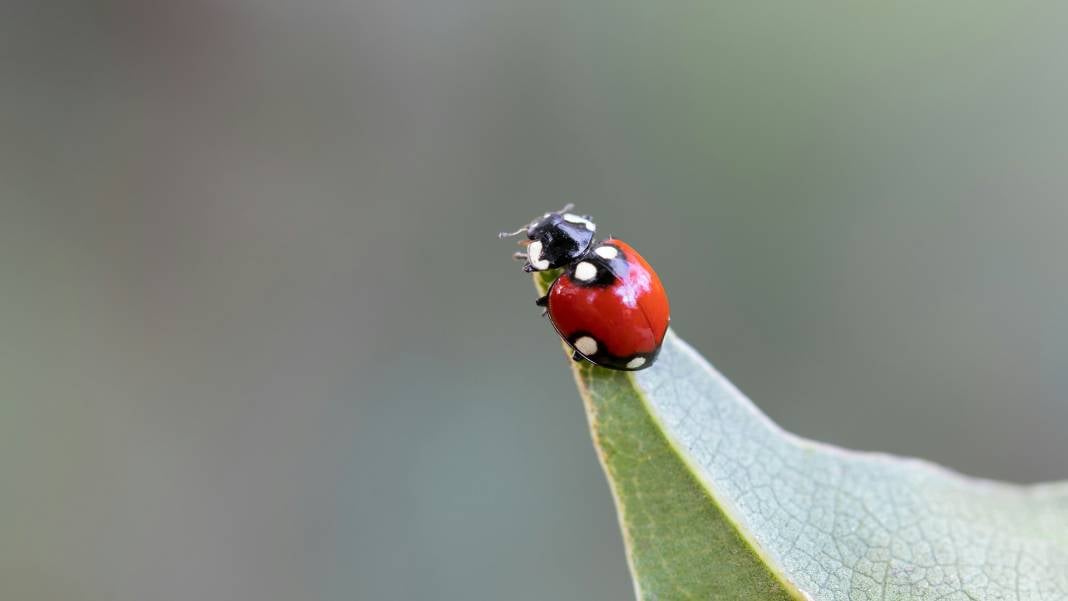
{"x": 503, "y": 235}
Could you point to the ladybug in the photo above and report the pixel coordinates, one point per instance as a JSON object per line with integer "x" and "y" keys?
{"x": 607, "y": 303}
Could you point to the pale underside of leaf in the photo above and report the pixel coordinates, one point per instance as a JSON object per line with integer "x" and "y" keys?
{"x": 717, "y": 502}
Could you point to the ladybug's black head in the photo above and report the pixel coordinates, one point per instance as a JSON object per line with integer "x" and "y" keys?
{"x": 556, "y": 239}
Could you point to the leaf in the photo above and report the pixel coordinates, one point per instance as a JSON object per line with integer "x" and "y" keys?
{"x": 717, "y": 502}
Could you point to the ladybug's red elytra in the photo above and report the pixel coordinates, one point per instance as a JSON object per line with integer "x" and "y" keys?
{"x": 607, "y": 304}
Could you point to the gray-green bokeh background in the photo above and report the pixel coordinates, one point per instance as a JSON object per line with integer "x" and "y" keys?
{"x": 260, "y": 341}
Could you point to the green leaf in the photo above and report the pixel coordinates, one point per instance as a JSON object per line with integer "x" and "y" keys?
{"x": 717, "y": 502}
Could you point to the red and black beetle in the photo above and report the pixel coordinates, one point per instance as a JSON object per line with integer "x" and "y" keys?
{"x": 607, "y": 304}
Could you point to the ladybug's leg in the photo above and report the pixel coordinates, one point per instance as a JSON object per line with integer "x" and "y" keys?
{"x": 543, "y": 302}
{"x": 575, "y": 356}
{"x": 527, "y": 267}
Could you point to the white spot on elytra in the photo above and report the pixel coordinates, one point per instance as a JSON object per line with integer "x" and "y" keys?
{"x": 635, "y": 363}
{"x": 534, "y": 256}
{"x": 607, "y": 252}
{"x": 586, "y": 345}
{"x": 585, "y": 271}
{"x": 573, "y": 218}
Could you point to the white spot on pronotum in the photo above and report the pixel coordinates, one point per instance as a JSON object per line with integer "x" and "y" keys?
{"x": 607, "y": 252}
{"x": 573, "y": 218}
{"x": 586, "y": 345}
{"x": 585, "y": 271}
{"x": 534, "y": 256}
{"x": 635, "y": 363}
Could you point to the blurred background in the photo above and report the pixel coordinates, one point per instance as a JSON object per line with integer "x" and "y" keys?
{"x": 260, "y": 340}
